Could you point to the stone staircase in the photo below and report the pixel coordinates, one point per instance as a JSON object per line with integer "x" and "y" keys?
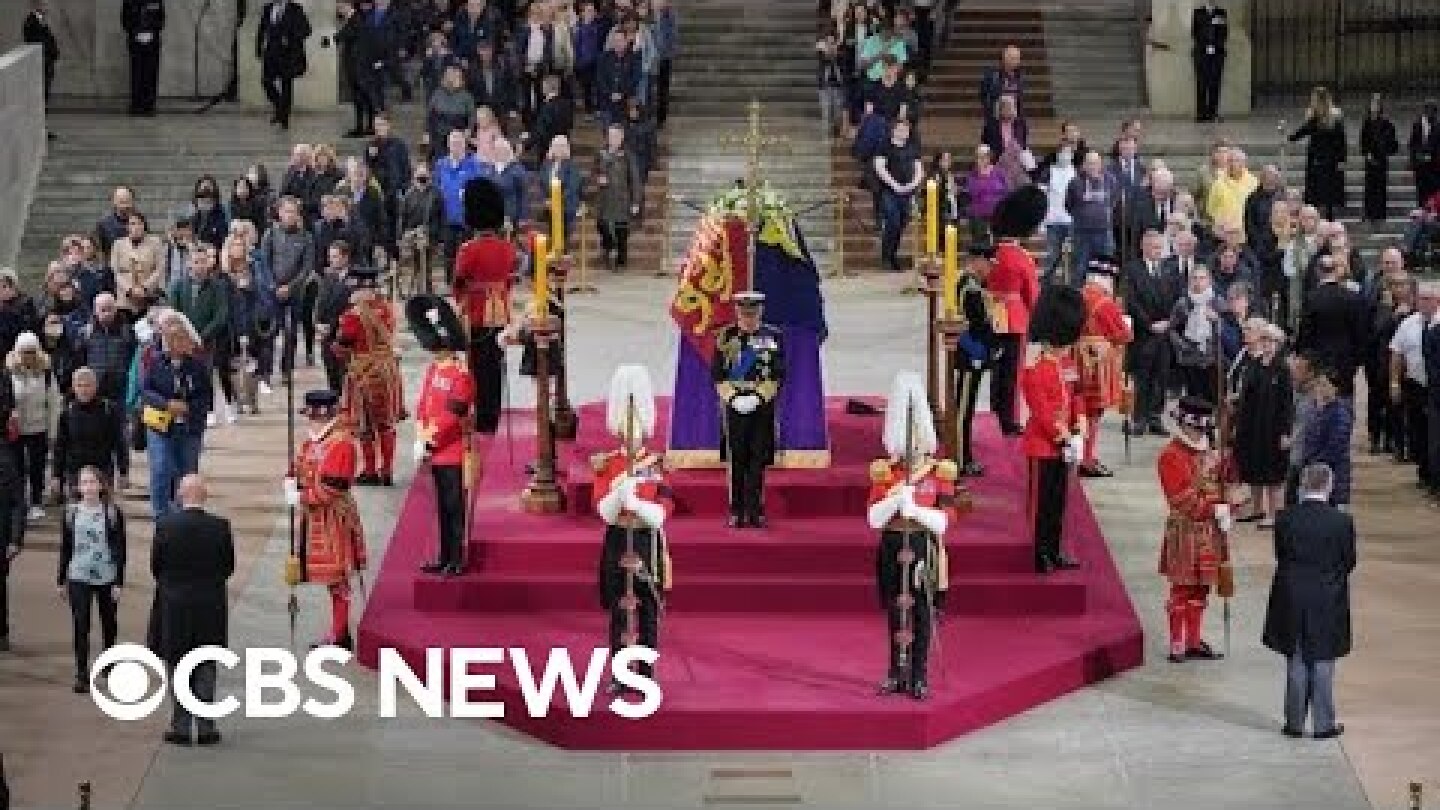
{"x": 1094, "y": 55}
{"x": 735, "y": 51}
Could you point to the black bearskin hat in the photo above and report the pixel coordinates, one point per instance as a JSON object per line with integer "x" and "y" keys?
{"x": 484, "y": 205}
{"x": 1059, "y": 316}
{"x": 1019, "y": 214}
{"x": 434, "y": 323}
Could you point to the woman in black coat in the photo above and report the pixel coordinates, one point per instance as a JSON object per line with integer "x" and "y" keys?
{"x": 1377, "y": 143}
{"x": 1324, "y": 154}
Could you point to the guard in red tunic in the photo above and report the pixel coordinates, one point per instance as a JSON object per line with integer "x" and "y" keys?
{"x": 1100, "y": 357}
{"x": 443, "y": 424}
{"x": 913, "y": 499}
{"x": 1055, "y": 431}
{"x": 633, "y": 497}
{"x": 372, "y": 398}
{"x": 332, "y": 541}
{"x": 1014, "y": 287}
{"x": 484, "y": 273}
{"x": 1195, "y": 553}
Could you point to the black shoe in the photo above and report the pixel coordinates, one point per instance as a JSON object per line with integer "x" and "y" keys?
{"x": 891, "y": 686}
{"x": 435, "y": 567}
{"x": 1064, "y": 563}
{"x": 1096, "y": 470}
{"x": 972, "y": 469}
{"x": 1176, "y": 658}
{"x": 208, "y": 738}
{"x": 1203, "y": 652}
{"x": 357, "y": 132}
{"x": 735, "y": 522}
{"x": 4, "y": 644}
{"x": 759, "y": 521}
{"x": 1157, "y": 429}
{"x": 1293, "y": 733}
{"x": 1331, "y": 734}
{"x": 387, "y": 480}
{"x": 1044, "y": 565}
{"x": 344, "y": 642}
{"x": 453, "y": 570}
{"x": 176, "y": 738}
{"x": 80, "y": 687}
{"x": 1250, "y": 518}
{"x": 919, "y": 690}
{"x": 616, "y": 688}
{"x": 1011, "y": 430}
{"x": 367, "y": 480}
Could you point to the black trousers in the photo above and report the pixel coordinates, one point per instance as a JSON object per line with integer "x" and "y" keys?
{"x": 1380, "y": 412}
{"x": 615, "y": 236}
{"x": 1416, "y": 441}
{"x": 967, "y": 394}
{"x": 922, "y": 622}
{"x": 749, "y": 445}
{"x": 487, "y": 368}
{"x": 1150, "y": 368}
{"x": 450, "y": 498}
{"x": 647, "y": 620}
{"x": 919, "y": 618}
{"x": 49, "y": 78}
{"x": 1048, "y": 488}
{"x": 144, "y": 75}
{"x": 334, "y": 367}
{"x": 280, "y": 91}
{"x": 202, "y": 685}
{"x": 369, "y": 98}
{"x": 222, "y": 353}
{"x": 81, "y": 595}
{"x": 661, "y": 101}
{"x": 1432, "y": 450}
{"x": 30, "y": 452}
{"x": 12, "y": 532}
{"x": 1208, "y": 71}
{"x": 1003, "y": 379}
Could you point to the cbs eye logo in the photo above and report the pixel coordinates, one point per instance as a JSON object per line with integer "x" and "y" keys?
{"x": 127, "y": 670}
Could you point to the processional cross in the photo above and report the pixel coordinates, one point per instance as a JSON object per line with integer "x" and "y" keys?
{"x": 755, "y": 142}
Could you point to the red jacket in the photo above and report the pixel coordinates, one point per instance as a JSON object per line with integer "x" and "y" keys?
{"x": 654, "y": 487}
{"x": 333, "y": 538}
{"x": 446, "y": 397}
{"x": 351, "y": 336}
{"x": 1015, "y": 285}
{"x": 484, "y": 272}
{"x": 1048, "y": 385}
{"x": 1100, "y": 358}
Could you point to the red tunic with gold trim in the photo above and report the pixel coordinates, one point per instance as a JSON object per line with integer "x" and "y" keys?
{"x": 653, "y": 487}
{"x": 936, "y": 487}
{"x": 372, "y": 396}
{"x": 1193, "y": 547}
{"x": 1014, "y": 286}
{"x": 1056, "y": 411}
{"x": 1099, "y": 354}
{"x": 443, "y": 410}
{"x": 332, "y": 539}
{"x": 484, "y": 273}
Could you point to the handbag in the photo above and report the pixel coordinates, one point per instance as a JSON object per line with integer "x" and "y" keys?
{"x": 156, "y": 419}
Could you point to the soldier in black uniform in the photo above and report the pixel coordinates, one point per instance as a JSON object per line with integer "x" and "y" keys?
{"x": 977, "y": 348}
{"x": 143, "y": 20}
{"x": 37, "y": 31}
{"x": 1209, "y": 27}
{"x": 363, "y": 59}
{"x": 748, "y": 369}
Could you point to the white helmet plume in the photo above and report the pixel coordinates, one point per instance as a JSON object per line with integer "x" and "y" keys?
{"x": 630, "y": 388}
{"x": 907, "y": 395}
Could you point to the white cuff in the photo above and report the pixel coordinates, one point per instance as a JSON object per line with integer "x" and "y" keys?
{"x": 291, "y": 489}
{"x": 610, "y": 506}
{"x": 935, "y": 521}
{"x": 882, "y": 511}
{"x": 653, "y": 514}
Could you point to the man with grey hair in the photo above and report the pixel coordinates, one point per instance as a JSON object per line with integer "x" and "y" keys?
{"x": 1308, "y": 616}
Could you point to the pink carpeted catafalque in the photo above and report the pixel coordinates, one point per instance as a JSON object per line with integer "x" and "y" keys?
{"x": 772, "y": 639}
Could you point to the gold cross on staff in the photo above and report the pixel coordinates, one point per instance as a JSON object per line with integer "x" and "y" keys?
{"x": 755, "y": 142}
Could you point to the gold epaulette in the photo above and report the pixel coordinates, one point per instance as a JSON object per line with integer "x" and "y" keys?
{"x": 599, "y": 460}
{"x": 946, "y": 470}
{"x": 880, "y": 470}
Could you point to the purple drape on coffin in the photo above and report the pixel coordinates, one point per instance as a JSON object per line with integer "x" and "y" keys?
{"x": 695, "y": 421}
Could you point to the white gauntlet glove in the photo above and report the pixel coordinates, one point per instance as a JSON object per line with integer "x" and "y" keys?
{"x": 1073, "y": 450}
{"x": 418, "y": 451}
{"x": 745, "y": 403}
{"x": 1223, "y": 519}
{"x": 292, "y": 492}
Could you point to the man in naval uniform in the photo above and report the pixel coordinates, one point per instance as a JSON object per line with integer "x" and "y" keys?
{"x": 748, "y": 370}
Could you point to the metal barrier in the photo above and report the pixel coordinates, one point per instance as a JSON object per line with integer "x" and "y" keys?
{"x": 1352, "y": 46}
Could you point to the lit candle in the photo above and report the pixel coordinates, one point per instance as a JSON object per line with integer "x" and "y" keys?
{"x": 557, "y": 215}
{"x": 540, "y": 307}
{"x": 932, "y": 217}
{"x": 952, "y": 272}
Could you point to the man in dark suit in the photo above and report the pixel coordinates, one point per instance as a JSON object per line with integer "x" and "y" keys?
{"x": 1005, "y": 79}
{"x": 555, "y": 116}
{"x": 1424, "y": 151}
{"x": 1150, "y": 289}
{"x": 192, "y": 557}
{"x": 1127, "y": 171}
{"x": 1430, "y": 351}
{"x": 491, "y": 82}
{"x": 1308, "y": 618}
{"x": 143, "y": 20}
{"x": 1149, "y": 209}
{"x": 280, "y": 46}
{"x": 1334, "y": 324}
{"x": 1209, "y": 27}
{"x": 363, "y": 60}
{"x": 36, "y": 30}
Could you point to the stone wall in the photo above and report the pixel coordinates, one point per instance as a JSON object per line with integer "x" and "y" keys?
{"x": 22, "y": 133}
{"x": 94, "y": 61}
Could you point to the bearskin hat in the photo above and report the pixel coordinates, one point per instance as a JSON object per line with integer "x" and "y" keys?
{"x": 484, "y": 205}
{"x": 1059, "y": 316}
{"x": 1019, "y": 213}
{"x": 434, "y": 323}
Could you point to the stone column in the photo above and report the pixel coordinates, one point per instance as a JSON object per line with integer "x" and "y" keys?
{"x": 22, "y": 130}
{"x": 1170, "y": 67}
{"x": 319, "y": 88}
